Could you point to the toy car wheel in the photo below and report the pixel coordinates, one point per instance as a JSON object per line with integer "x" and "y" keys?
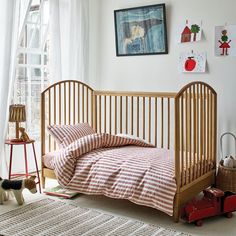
{"x": 199, "y": 223}
{"x": 229, "y": 215}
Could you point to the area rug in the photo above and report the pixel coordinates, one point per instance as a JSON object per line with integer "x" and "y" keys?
{"x": 57, "y": 218}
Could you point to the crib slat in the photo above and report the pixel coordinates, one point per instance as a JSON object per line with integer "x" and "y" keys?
{"x": 182, "y": 141}
{"x": 60, "y": 104}
{"x": 54, "y": 112}
{"x": 120, "y": 114}
{"x": 74, "y": 103}
{"x": 201, "y": 130}
{"x": 207, "y": 129}
{"x": 204, "y": 130}
{"x": 190, "y": 133}
{"x": 65, "y": 110}
{"x": 198, "y": 132}
{"x": 210, "y": 126}
{"x": 186, "y": 136}
{"x": 83, "y": 103}
{"x": 105, "y": 113}
{"x": 87, "y": 102}
{"x": 132, "y": 115}
{"x": 95, "y": 112}
{"x": 69, "y": 98}
{"x": 115, "y": 114}
{"x": 137, "y": 116}
{"x": 100, "y": 113}
{"x": 110, "y": 101}
{"x": 42, "y": 123}
{"x": 126, "y": 114}
{"x": 194, "y": 132}
{"x": 155, "y": 122}
{"x": 91, "y": 107}
{"x": 177, "y": 145}
{"x": 79, "y": 104}
{"x": 168, "y": 128}
{"x": 214, "y": 127}
{"x": 49, "y": 115}
{"x": 162, "y": 121}
{"x": 144, "y": 117}
{"x": 149, "y": 120}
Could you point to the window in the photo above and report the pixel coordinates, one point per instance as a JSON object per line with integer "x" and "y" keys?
{"x": 32, "y": 73}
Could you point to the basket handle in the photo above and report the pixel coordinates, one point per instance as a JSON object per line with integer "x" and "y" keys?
{"x": 221, "y": 142}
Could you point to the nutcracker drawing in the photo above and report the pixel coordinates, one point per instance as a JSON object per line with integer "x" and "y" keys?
{"x": 224, "y": 43}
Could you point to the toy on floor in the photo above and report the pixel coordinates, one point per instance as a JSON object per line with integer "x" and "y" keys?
{"x": 16, "y": 187}
{"x": 229, "y": 162}
{"x": 214, "y": 202}
{"x": 24, "y": 136}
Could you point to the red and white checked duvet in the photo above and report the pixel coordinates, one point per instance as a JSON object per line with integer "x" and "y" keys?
{"x": 118, "y": 167}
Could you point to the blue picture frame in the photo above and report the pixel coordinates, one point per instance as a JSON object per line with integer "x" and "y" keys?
{"x": 141, "y": 30}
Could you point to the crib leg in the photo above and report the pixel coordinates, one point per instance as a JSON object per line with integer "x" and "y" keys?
{"x": 176, "y": 214}
{"x": 43, "y": 181}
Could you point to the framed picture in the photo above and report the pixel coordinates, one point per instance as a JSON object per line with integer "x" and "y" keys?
{"x": 141, "y": 30}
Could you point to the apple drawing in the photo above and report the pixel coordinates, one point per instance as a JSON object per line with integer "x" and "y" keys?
{"x": 190, "y": 64}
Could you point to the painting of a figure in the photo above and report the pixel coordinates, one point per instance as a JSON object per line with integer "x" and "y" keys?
{"x": 225, "y": 40}
{"x": 141, "y": 31}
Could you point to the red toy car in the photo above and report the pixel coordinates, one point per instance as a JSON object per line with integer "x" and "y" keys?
{"x": 214, "y": 202}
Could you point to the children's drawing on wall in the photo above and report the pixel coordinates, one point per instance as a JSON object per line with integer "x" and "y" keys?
{"x": 224, "y": 43}
{"x": 192, "y": 62}
{"x": 191, "y": 31}
{"x": 225, "y": 40}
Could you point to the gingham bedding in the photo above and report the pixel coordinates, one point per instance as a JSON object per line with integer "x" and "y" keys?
{"x": 118, "y": 167}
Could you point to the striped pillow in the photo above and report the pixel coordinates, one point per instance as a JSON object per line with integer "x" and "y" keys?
{"x": 66, "y": 134}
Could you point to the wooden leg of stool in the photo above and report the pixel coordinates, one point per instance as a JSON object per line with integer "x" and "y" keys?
{"x": 43, "y": 179}
{"x": 10, "y": 164}
{"x": 37, "y": 170}
{"x": 26, "y": 162}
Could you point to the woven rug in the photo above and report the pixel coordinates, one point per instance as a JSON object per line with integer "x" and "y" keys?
{"x": 54, "y": 218}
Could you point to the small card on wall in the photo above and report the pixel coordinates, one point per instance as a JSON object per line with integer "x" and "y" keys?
{"x": 225, "y": 40}
{"x": 189, "y": 31}
{"x": 192, "y": 62}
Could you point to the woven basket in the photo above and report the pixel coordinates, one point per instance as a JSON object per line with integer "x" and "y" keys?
{"x": 226, "y": 177}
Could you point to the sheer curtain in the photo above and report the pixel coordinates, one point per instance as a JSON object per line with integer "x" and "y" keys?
{"x": 69, "y": 40}
{"x": 10, "y": 28}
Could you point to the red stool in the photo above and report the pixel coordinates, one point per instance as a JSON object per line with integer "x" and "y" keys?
{"x": 12, "y": 143}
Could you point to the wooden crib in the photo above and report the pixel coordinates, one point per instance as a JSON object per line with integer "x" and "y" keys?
{"x": 185, "y": 122}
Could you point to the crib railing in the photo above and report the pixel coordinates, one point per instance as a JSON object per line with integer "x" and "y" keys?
{"x": 195, "y": 132}
{"x": 146, "y": 115}
{"x": 66, "y": 102}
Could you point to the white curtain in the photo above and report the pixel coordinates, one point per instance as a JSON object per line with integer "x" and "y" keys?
{"x": 10, "y": 19}
{"x": 69, "y": 40}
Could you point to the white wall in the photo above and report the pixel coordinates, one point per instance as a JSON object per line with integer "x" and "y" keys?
{"x": 160, "y": 72}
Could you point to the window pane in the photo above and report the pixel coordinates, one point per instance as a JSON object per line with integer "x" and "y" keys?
{"x": 33, "y": 59}
{"x": 21, "y": 90}
{"x": 21, "y": 58}
{"x": 34, "y": 16}
{"x": 46, "y": 60}
{"x": 31, "y": 70}
{"x": 46, "y": 12}
{"x": 21, "y": 73}
{"x": 33, "y": 36}
{"x": 35, "y": 72}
